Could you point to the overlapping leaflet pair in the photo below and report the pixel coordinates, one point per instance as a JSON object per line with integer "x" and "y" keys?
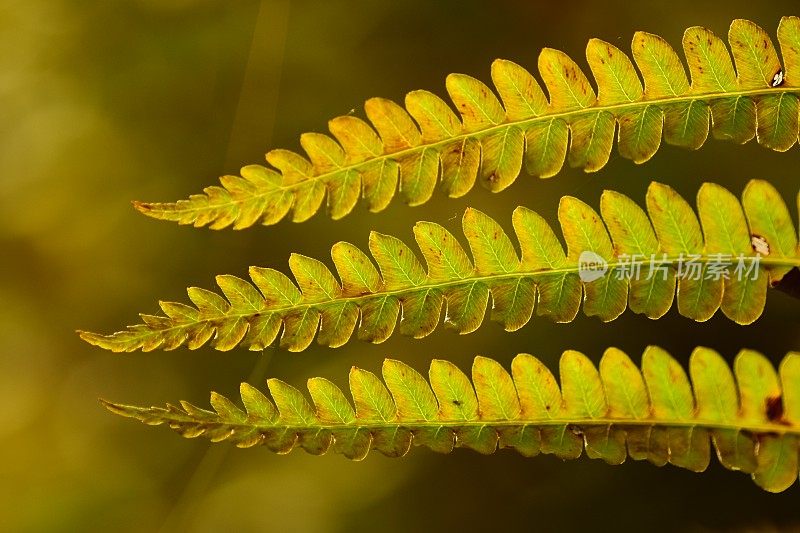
{"x": 753, "y": 419}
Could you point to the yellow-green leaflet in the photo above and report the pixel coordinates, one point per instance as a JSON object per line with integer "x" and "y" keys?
{"x": 750, "y": 416}
{"x": 425, "y": 145}
{"x": 724, "y": 257}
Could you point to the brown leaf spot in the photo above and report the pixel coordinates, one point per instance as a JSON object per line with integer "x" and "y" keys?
{"x": 774, "y": 405}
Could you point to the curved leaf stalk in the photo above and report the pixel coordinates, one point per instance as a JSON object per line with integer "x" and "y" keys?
{"x": 751, "y": 420}
{"x": 725, "y": 258}
{"x": 491, "y": 141}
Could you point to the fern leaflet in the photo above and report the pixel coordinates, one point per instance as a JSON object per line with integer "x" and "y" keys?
{"x": 704, "y": 264}
{"x": 753, "y": 421}
{"x": 491, "y": 140}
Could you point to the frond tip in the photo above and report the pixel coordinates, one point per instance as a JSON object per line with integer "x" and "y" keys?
{"x": 724, "y": 259}
{"x": 752, "y": 420}
{"x": 416, "y": 148}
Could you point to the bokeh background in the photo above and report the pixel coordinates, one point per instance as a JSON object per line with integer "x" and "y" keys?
{"x": 108, "y": 101}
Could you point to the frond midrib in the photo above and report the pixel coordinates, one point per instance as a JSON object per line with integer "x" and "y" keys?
{"x": 697, "y": 97}
{"x": 756, "y": 428}
{"x": 573, "y": 269}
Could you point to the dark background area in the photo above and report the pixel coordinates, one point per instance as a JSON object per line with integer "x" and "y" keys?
{"x": 105, "y": 102}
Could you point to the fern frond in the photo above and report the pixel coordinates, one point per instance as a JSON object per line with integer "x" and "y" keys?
{"x": 490, "y": 142}
{"x": 752, "y": 421}
{"x": 757, "y": 236}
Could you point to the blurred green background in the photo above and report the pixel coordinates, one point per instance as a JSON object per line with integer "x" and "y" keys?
{"x": 108, "y": 101}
